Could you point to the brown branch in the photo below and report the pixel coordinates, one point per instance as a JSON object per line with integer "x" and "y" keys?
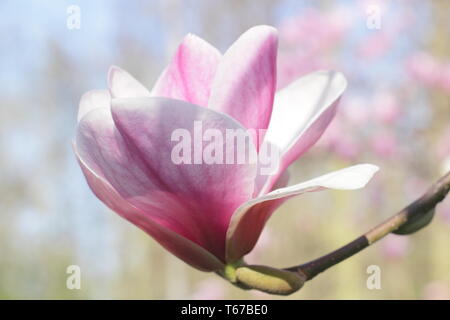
{"x": 415, "y": 211}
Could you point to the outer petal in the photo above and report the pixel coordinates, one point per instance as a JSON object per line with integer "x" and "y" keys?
{"x": 245, "y": 81}
{"x": 103, "y": 149}
{"x": 183, "y": 248}
{"x": 190, "y": 73}
{"x": 249, "y": 219}
{"x": 136, "y": 160}
{"x": 301, "y": 113}
{"x": 123, "y": 85}
{"x": 93, "y": 99}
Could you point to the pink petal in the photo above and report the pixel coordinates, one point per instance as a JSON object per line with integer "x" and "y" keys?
{"x": 93, "y": 99}
{"x": 103, "y": 149}
{"x": 301, "y": 113}
{"x": 135, "y": 158}
{"x": 181, "y": 247}
{"x": 190, "y": 73}
{"x": 249, "y": 219}
{"x": 123, "y": 85}
{"x": 245, "y": 81}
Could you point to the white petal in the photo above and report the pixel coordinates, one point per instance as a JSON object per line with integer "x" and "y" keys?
{"x": 123, "y": 85}
{"x": 249, "y": 219}
{"x": 354, "y": 177}
{"x": 92, "y": 100}
{"x": 298, "y": 105}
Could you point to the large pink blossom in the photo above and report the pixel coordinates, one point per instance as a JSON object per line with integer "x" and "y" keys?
{"x": 208, "y": 215}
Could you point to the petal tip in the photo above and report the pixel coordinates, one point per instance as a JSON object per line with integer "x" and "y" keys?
{"x": 340, "y": 78}
{"x": 361, "y": 175}
{"x": 82, "y": 109}
{"x": 122, "y": 84}
{"x": 91, "y": 100}
{"x": 264, "y": 28}
{"x": 112, "y": 72}
{"x": 192, "y": 41}
{"x": 260, "y": 34}
{"x": 351, "y": 178}
{"x": 269, "y": 32}
{"x": 336, "y": 77}
{"x": 191, "y": 37}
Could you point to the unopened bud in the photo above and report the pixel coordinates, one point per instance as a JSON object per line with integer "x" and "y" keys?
{"x": 269, "y": 280}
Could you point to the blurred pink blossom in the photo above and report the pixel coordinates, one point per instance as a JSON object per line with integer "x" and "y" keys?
{"x": 305, "y": 39}
{"x": 437, "y": 291}
{"x": 356, "y": 110}
{"x": 338, "y": 140}
{"x": 395, "y": 247}
{"x": 327, "y": 28}
{"x": 375, "y": 45}
{"x": 424, "y": 68}
{"x": 209, "y": 289}
{"x": 302, "y": 52}
{"x": 386, "y": 108}
{"x": 384, "y": 143}
{"x": 444, "y": 79}
{"x": 415, "y": 186}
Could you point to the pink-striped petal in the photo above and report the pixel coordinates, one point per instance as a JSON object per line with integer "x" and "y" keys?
{"x": 245, "y": 81}
{"x": 249, "y": 219}
{"x": 301, "y": 113}
{"x": 190, "y": 73}
{"x": 181, "y": 247}
{"x": 133, "y": 153}
{"x": 103, "y": 149}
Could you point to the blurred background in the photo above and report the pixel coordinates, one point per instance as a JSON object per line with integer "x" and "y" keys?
{"x": 395, "y": 113}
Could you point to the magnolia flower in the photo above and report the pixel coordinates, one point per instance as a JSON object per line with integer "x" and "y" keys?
{"x": 208, "y": 215}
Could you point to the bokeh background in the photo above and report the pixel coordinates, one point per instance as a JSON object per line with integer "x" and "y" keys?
{"x": 395, "y": 114}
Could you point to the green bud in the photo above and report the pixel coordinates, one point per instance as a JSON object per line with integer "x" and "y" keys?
{"x": 269, "y": 280}
{"x": 415, "y": 224}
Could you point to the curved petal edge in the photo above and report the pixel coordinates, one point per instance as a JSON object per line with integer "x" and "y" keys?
{"x": 249, "y": 219}
{"x": 183, "y": 248}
